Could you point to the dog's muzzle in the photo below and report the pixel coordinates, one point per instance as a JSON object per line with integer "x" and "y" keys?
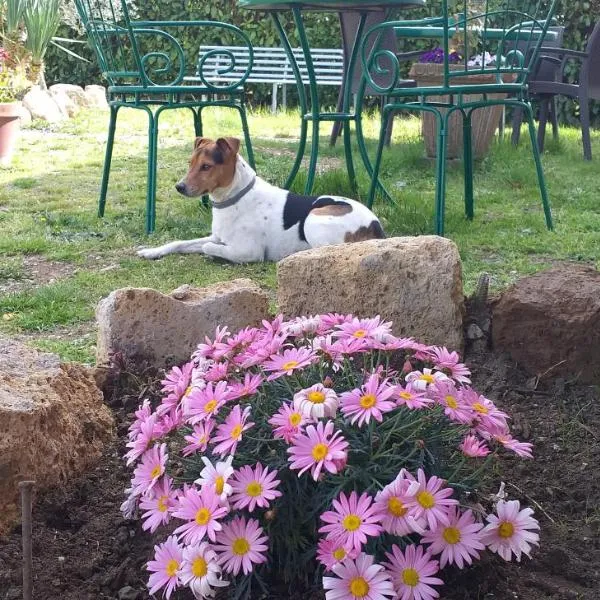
{"x": 181, "y": 188}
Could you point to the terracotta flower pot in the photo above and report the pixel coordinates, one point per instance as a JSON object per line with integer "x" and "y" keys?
{"x": 9, "y": 130}
{"x": 484, "y": 121}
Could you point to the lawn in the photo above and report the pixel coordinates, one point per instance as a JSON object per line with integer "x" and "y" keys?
{"x": 58, "y": 259}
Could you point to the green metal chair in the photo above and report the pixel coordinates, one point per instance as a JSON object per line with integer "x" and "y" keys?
{"x": 146, "y": 68}
{"x": 484, "y": 26}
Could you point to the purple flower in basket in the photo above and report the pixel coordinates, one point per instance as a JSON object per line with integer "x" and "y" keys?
{"x": 437, "y": 56}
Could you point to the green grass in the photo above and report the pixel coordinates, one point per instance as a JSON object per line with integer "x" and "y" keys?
{"x": 48, "y": 208}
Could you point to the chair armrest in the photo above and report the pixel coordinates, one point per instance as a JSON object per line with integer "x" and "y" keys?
{"x": 563, "y": 52}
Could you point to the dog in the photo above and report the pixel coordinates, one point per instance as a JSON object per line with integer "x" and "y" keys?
{"x": 254, "y": 221}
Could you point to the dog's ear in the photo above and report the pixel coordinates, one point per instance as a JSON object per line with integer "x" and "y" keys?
{"x": 198, "y": 142}
{"x": 228, "y": 145}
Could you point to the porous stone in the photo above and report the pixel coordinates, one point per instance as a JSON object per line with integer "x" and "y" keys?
{"x": 147, "y": 327}
{"x": 550, "y": 322}
{"x": 42, "y": 105}
{"x": 96, "y": 96}
{"x": 53, "y": 422}
{"x": 64, "y": 102}
{"x": 75, "y": 92}
{"x": 415, "y": 282}
{"x": 24, "y": 116}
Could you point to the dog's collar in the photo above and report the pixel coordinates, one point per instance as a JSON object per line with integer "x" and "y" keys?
{"x": 235, "y": 198}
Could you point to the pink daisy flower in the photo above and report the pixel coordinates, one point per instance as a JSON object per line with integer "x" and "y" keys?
{"x": 458, "y": 542}
{"x": 209, "y": 348}
{"x": 205, "y": 404}
{"x": 217, "y": 372}
{"x": 248, "y": 387}
{"x": 429, "y": 499}
{"x": 332, "y": 552}
{"x": 287, "y": 422}
{"x": 449, "y": 363}
{"x": 316, "y": 401}
{"x": 412, "y": 573}
{"x": 317, "y": 448}
{"x": 289, "y": 361}
{"x": 373, "y": 328}
{"x": 158, "y": 504}
{"x": 199, "y": 438}
{"x": 165, "y": 567}
{"x": 230, "y": 432}
{"x": 178, "y": 378}
{"x": 488, "y": 419}
{"x": 330, "y": 320}
{"x": 141, "y": 415}
{"x": 473, "y": 447}
{"x": 522, "y": 449}
{"x": 447, "y": 395}
{"x": 392, "y": 504}
{"x": 150, "y": 469}
{"x": 200, "y": 570}
{"x": 412, "y": 398}
{"x": 511, "y": 531}
{"x": 202, "y": 511}
{"x": 352, "y": 520}
{"x": 358, "y": 579}
{"x": 149, "y": 431}
{"x": 215, "y": 477}
{"x": 371, "y": 400}
{"x": 302, "y": 326}
{"x": 254, "y": 487}
{"x": 422, "y": 380}
{"x": 335, "y": 351}
{"x": 241, "y": 545}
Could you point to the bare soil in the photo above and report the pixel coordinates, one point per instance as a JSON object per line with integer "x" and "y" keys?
{"x": 84, "y": 549}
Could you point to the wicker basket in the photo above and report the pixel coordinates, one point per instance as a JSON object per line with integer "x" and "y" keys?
{"x": 484, "y": 121}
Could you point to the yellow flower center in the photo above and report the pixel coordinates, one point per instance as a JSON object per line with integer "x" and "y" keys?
{"x": 210, "y": 406}
{"x": 339, "y": 554}
{"x": 410, "y": 577}
{"x": 351, "y": 522}
{"x": 240, "y": 546}
{"x": 427, "y": 378}
{"x": 480, "y": 408}
{"x": 506, "y": 529}
{"x": 289, "y": 365}
{"x": 295, "y": 419}
{"x": 359, "y": 587}
{"x": 162, "y": 503}
{"x": 368, "y": 401}
{"x": 156, "y": 472}
{"x": 254, "y": 489}
{"x": 199, "y": 567}
{"x": 236, "y": 432}
{"x": 316, "y": 397}
{"x": 172, "y": 568}
{"x": 405, "y": 395}
{"x": 359, "y": 333}
{"x": 319, "y": 451}
{"x": 202, "y": 516}
{"x": 426, "y": 499}
{"x": 396, "y": 507}
{"x": 202, "y": 439}
{"x": 451, "y": 535}
{"x": 451, "y": 402}
{"x": 219, "y": 485}
{"x": 188, "y": 390}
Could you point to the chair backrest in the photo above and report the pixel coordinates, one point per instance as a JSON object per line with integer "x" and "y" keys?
{"x": 591, "y": 71}
{"x": 547, "y": 70}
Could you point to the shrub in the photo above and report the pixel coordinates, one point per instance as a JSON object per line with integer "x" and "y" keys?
{"x": 322, "y": 438}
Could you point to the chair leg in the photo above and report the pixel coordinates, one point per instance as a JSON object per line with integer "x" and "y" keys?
{"x": 198, "y": 127}
{"x": 440, "y": 184}
{"x": 468, "y": 166}
{"x": 517, "y": 119}
{"x": 554, "y": 117}
{"x": 337, "y": 125}
{"x": 541, "y": 136}
{"x": 388, "y": 130}
{"x": 538, "y": 167}
{"x": 112, "y": 125}
{"x": 349, "y": 161}
{"x": 502, "y": 123}
{"x": 314, "y": 153}
{"x": 152, "y": 162}
{"x": 584, "y": 116}
{"x": 246, "y": 130}
{"x": 375, "y": 174}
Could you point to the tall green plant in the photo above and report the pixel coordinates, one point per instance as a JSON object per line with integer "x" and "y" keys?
{"x": 41, "y": 19}
{"x": 13, "y": 11}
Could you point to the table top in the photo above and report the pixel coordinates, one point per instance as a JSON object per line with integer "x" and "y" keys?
{"x": 328, "y": 4}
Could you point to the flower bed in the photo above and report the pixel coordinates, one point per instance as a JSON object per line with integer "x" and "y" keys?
{"x": 321, "y": 444}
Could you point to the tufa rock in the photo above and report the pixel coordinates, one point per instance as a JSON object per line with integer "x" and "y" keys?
{"x": 147, "y": 327}
{"x": 96, "y": 96}
{"x": 413, "y": 281}
{"x": 53, "y": 423}
{"x": 75, "y": 93}
{"x": 41, "y": 104}
{"x": 550, "y": 322}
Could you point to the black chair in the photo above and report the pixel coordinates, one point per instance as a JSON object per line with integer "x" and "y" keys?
{"x": 588, "y": 87}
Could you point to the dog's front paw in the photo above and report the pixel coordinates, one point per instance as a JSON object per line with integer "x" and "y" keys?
{"x": 151, "y": 253}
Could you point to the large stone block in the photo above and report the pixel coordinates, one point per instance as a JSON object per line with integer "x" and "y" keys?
{"x": 414, "y": 281}
{"x": 42, "y": 105}
{"x": 53, "y": 422}
{"x": 550, "y": 322}
{"x": 148, "y": 327}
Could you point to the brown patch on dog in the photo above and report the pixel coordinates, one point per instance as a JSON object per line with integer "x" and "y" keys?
{"x": 333, "y": 210}
{"x": 212, "y": 166}
{"x": 373, "y": 232}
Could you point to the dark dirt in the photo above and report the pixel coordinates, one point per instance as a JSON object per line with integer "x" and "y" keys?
{"x": 84, "y": 550}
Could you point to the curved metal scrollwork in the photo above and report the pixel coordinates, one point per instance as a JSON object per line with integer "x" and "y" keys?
{"x": 161, "y": 64}
{"x": 380, "y": 66}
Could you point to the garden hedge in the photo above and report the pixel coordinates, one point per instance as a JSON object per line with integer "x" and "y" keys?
{"x": 578, "y": 16}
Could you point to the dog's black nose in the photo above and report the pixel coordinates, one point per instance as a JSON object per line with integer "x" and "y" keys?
{"x": 180, "y": 187}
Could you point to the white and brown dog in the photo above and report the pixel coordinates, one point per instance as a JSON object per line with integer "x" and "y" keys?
{"x": 253, "y": 220}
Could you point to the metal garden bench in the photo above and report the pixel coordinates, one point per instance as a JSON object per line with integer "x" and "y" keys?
{"x": 271, "y": 65}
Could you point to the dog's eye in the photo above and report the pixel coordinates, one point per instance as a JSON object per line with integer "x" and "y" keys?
{"x": 205, "y": 167}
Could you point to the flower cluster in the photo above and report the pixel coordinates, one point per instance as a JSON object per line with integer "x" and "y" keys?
{"x": 324, "y": 437}
{"x": 436, "y": 55}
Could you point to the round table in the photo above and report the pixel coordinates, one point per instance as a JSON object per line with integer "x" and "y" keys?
{"x": 347, "y": 115}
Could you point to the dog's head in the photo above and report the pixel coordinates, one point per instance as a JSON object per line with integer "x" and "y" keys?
{"x": 212, "y": 166}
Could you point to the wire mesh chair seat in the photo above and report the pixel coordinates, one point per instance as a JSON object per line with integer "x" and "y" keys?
{"x": 145, "y": 67}
{"x": 503, "y": 81}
